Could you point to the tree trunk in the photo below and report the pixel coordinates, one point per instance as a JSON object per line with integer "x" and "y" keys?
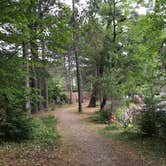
{"x": 67, "y": 60}
{"x": 75, "y": 38}
{"x": 93, "y": 99}
{"x": 39, "y": 93}
{"x": 45, "y": 95}
{"x": 34, "y": 54}
{"x": 112, "y": 117}
{"x": 35, "y": 87}
{"x": 45, "y": 79}
{"x": 100, "y": 73}
{"x": 78, "y": 83}
{"x": 103, "y": 103}
{"x": 81, "y": 88}
{"x": 27, "y": 105}
{"x": 70, "y": 82}
{"x": 112, "y": 104}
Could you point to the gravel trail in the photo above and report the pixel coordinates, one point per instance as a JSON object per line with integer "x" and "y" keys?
{"x": 82, "y": 146}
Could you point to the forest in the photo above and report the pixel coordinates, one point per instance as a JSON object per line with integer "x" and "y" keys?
{"x": 71, "y": 69}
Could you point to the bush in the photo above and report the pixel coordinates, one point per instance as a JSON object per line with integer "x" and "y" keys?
{"x": 153, "y": 123}
{"x": 44, "y": 130}
{"x": 161, "y": 124}
{"x": 15, "y": 126}
{"x": 57, "y": 92}
{"x": 119, "y": 114}
{"x": 148, "y": 125}
{"x": 101, "y": 116}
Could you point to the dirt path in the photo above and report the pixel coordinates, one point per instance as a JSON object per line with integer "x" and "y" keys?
{"x": 82, "y": 146}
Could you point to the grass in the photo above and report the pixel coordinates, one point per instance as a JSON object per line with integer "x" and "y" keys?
{"x": 152, "y": 149}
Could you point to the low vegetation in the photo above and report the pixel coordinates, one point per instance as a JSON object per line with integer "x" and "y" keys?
{"x": 41, "y": 132}
{"x": 145, "y": 132}
{"x": 100, "y": 117}
{"x": 151, "y": 148}
{"x": 39, "y": 148}
{"x": 45, "y": 131}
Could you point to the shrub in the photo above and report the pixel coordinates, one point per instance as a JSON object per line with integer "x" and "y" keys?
{"x": 15, "y": 125}
{"x": 161, "y": 124}
{"x": 153, "y": 121}
{"x": 119, "y": 114}
{"x": 101, "y": 116}
{"x": 57, "y": 92}
{"x": 148, "y": 124}
{"x": 44, "y": 130}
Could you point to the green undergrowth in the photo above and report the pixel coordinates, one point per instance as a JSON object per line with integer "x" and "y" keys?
{"x": 100, "y": 117}
{"x": 151, "y": 148}
{"x": 45, "y": 131}
{"x": 44, "y": 135}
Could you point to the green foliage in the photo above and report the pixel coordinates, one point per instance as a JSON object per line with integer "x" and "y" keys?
{"x": 148, "y": 124}
{"x": 129, "y": 127}
{"x": 44, "y": 130}
{"x": 15, "y": 125}
{"x": 56, "y": 92}
{"x": 103, "y": 116}
{"x": 152, "y": 121}
{"x": 11, "y": 88}
{"x": 119, "y": 113}
{"x": 100, "y": 116}
{"x": 114, "y": 126}
{"x": 161, "y": 124}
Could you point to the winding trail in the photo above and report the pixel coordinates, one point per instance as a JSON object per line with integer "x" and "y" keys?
{"x": 83, "y": 146}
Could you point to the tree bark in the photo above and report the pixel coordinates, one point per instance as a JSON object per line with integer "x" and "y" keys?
{"x": 45, "y": 79}
{"x": 93, "y": 99}
{"x": 78, "y": 83}
{"x": 35, "y": 87}
{"x": 103, "y": 103}
{"x": 45, "y": 93}
{"x": 70, "y": 80}
{"x": 101, "y": 72}
{"x": 27, "y": 105}
{"x": 67, "y": 67}
{"x": 34, "y": 57}
{"x": 81, "y": 87}
{"x": 75, "y": 38}
{"x": 39, "y": 92}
